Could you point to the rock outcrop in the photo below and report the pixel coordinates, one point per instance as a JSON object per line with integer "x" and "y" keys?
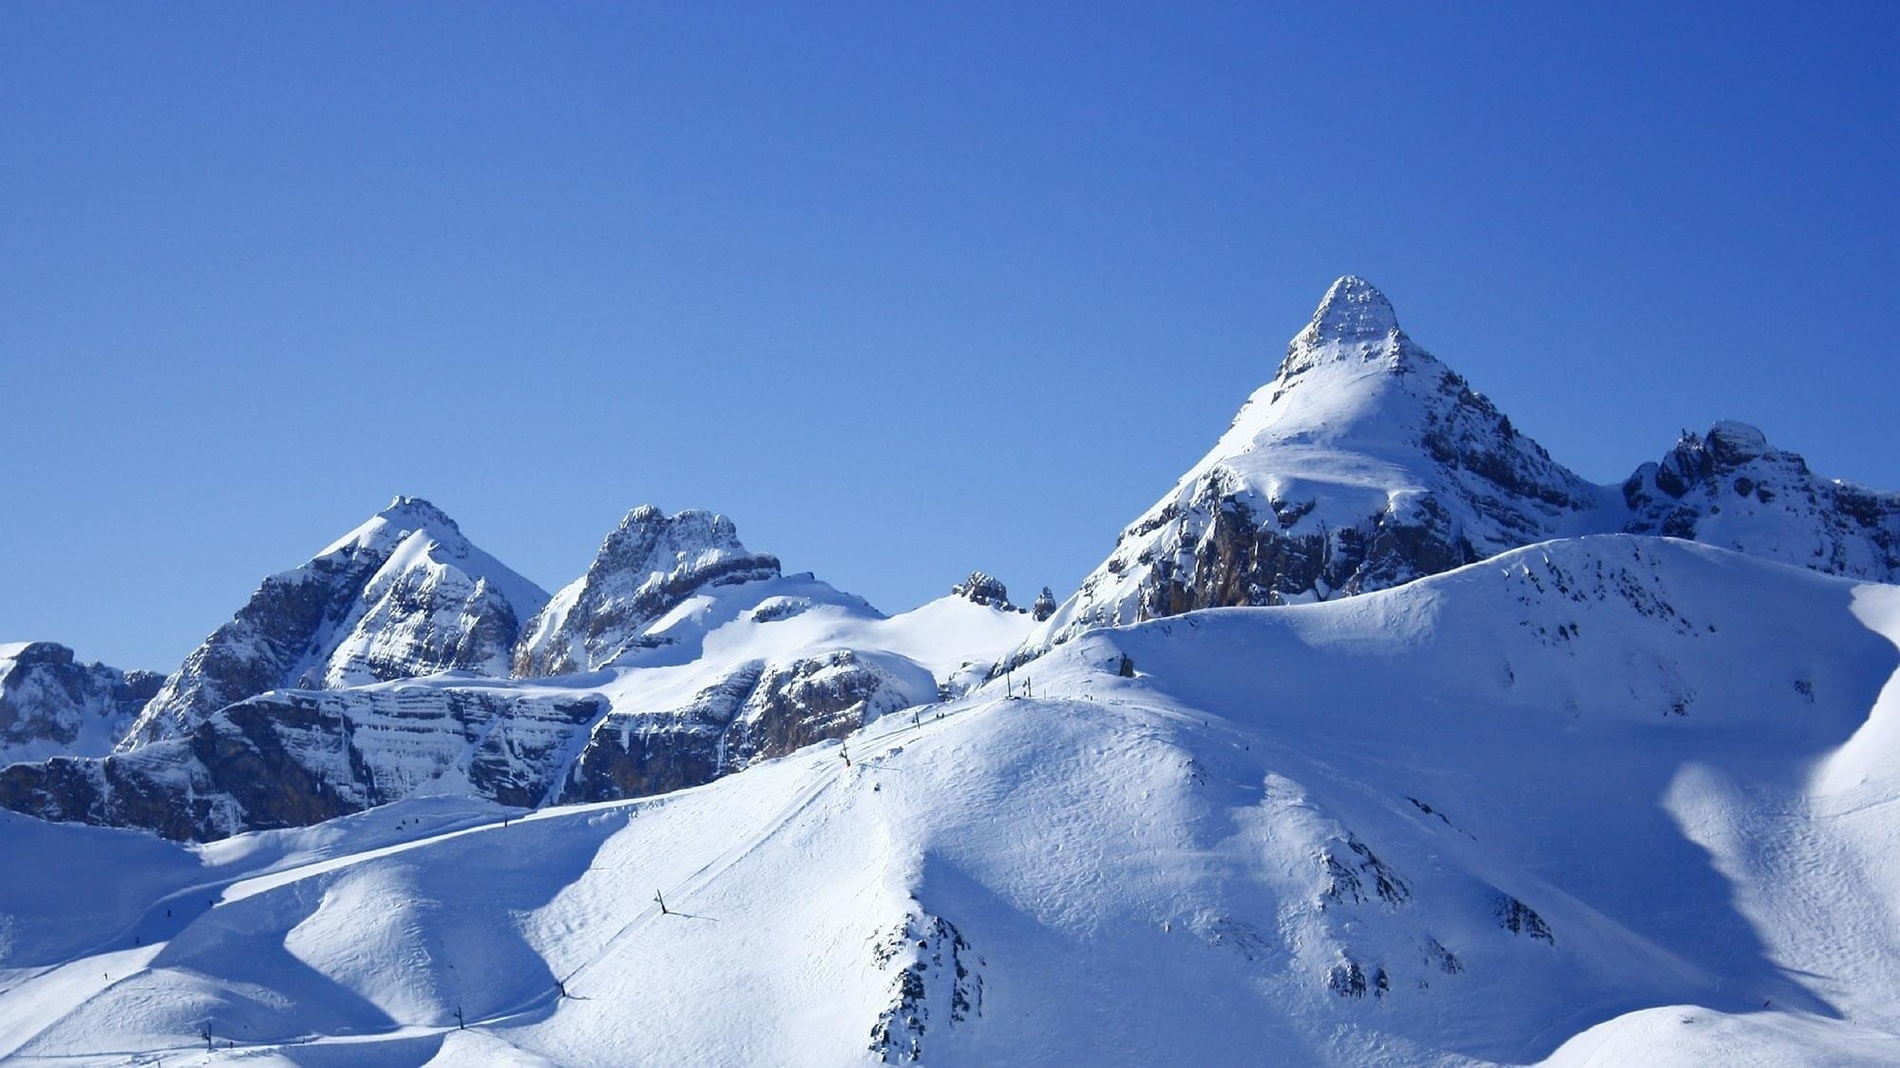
{"x": 984, "y": 589}
{"x": 296, "y": 757}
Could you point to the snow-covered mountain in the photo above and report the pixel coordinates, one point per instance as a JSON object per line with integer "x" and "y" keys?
{"x": 709, "y": 661}
{"x": 51, "y": 704}
{"x": 1381, "y": 739}
{"x": 1605, "y": 800}
{"x": 1366, "y": 463}
{"x": 404, "y": 594}
{"x": 650, "y": 564}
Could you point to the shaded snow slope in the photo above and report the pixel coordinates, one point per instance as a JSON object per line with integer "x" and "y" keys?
{"x": 1366, "y": 463}
{"x": 52, "y": 704}
{"x": 1612, "y": 797}
{"x": 404, "y": 594}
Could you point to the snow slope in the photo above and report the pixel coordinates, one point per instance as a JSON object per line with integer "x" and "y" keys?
{"x": 1606, "y": 800}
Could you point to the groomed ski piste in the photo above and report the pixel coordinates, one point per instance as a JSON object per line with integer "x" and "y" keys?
{"x": 1607, "y": 800}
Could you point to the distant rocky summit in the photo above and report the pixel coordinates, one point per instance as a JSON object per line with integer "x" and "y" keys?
{"x": 51, "y": 704}
{"x": 649, "y": 564}
{"x": 656, "y": 710}
{"x": 1731, "y": 488}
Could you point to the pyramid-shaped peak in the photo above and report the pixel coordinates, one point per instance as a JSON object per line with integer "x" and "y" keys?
{"x": 403, "y": 516}
{"x": 1352, "y": 310}
{"x": 417, "y": 512}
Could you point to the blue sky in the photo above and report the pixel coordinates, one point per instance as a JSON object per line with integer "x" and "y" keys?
{"x": 906, "y": 290}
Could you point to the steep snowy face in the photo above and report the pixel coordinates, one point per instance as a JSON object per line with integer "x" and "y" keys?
{"x": 649, "y": 565}
{"x": 1364, "y": 464}
{"x": 1731, "y": 488}
{"x": 404, "y": 594}
{"x": 53, "y": 705}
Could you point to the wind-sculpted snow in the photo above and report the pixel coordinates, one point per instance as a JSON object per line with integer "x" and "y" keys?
{"x": 1366, "y": 463}
{"x": 404, "y": 594}
{"x": 649, "y": 565}
{"x": 53, "y": 705}
{"x": 1614, "y": 797}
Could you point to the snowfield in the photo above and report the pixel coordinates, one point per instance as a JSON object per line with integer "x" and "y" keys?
{"x": 1605, "y": 800}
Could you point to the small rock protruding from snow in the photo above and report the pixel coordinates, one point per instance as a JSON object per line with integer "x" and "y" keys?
{"x": 1045, "y": 605}
{"x": 985, "y": 589}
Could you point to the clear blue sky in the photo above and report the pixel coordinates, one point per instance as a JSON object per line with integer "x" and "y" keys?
{"x": 904, "y": 289}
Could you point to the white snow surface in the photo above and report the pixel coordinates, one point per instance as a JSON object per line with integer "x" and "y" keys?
{"x": 1604, "y": 800}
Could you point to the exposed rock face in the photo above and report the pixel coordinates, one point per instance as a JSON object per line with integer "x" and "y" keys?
{"x": 297, "y": 757}
{"x": 1045, "y": 605}
{"x": 649, "y": 565}
{"x": 403, "y": 595}
{"x": 986, "y": 590}
{"x": 759, "y": 711}
{"x": 1730, "y": 488}
{"x": 294, "y": 758}
{"x": 1364, "y": 464}
{"x": 53, "y": 705}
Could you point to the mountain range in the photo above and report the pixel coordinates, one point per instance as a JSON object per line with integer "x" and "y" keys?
{"x": 1381, "y": 738}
